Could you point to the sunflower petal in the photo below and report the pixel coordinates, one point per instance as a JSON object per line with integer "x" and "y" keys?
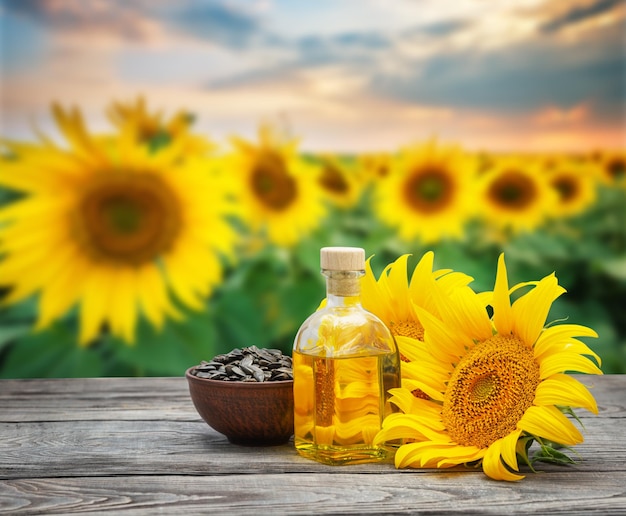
{"x": 560, "y": 338}
{"x": 397, "y": 281}
{"x": 550, "y": 423}
{"x": 443, "y": 342}
{"x": 502, "y": 312}
{"x": 531, "y": 310}
{"x": 431, "y": 454}
{"x": 493, "y": 466}
{"x": 564, "y": 362}
{"x": 561, "y": 389}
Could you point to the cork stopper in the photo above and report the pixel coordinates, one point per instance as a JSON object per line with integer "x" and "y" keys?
{"x": 342, "y": 258}
{"x": 343, "y": 267}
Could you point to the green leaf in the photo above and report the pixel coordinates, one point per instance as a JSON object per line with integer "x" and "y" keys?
{"x": 169, "y": 352}
{"x": 550, "y": 452}
{"x": 10, "y": 333}
{"x": 239, "y": 319}
{"x": 616, "y": 268}
{"x": 53, "y": 353}
{"x": 551, "y": 455}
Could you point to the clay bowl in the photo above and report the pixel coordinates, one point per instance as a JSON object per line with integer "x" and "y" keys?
{"x": 247, "y": 413}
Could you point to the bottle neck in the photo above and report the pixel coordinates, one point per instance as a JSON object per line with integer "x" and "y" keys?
{"x": 343, "y": 288}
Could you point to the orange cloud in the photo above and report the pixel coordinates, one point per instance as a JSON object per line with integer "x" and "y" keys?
{"x": 553, "y": 115}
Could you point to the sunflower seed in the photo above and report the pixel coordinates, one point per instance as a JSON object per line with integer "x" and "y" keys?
{"x": 251, "y": 364}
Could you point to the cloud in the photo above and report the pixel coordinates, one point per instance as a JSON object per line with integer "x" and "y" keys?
{"x": 520, "y": 77}
{"x": 219, "y": 23}
{"x": 579, "y": 14}
{"x": 442, "y": 28}
{"x": 33, "y": 9}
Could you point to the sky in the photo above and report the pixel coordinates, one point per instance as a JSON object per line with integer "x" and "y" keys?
{"x": 342, "y": 75}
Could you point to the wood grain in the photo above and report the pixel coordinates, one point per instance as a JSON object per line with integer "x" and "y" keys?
{"x": 137, "y": 446}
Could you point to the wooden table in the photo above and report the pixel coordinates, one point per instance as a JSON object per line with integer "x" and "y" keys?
{"x": 137, "y": 445}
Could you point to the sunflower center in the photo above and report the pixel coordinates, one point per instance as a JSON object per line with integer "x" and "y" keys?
{"x": 567, "y": 188}
{"x": 271, "y": 183}
{"x": 616, "y": 168}
{"x": 332, "y": 180}
{"x": 411, "y": 329}
{"x": 428, "y": 190}
{"x": 513, "y": 190}
{"x": 127, "y": 218}
{"x": 490, "y": 390}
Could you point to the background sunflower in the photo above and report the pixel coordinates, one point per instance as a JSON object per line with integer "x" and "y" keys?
{"x": 428, "y": 193}
{"x": 125, "y": 221}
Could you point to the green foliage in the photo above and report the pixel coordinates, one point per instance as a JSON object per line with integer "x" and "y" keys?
{"x": 266, "y": 295}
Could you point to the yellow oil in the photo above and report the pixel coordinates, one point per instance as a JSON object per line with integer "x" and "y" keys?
{"x": 340, "y": 404}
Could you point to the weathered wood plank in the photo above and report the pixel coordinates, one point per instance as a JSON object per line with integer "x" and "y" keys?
{"x": 150, "y": 399}
{"x": 84, "y": 448}
{"x": 306, "y": 493}
{"x": 95, "y": 398}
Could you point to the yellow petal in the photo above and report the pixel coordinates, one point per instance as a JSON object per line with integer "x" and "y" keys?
{"x": 372, "y": 300}
{"x": 531, "y": 310}
{"x": 435, "y": 454}
{"x": 564, "y": 362}
{"x": 153, "y": 296}
{"x": 397, "y": 282}
{"x": 61, "y": 292}
{"x": 502, "y": 312}
{"x": 550, "y": 423}
{"x": 123, "y": 305}
{"x": 493, "y": 466}
{"x": 560, "y": 338}
{"x": 508, "y": 447}
{"x": 95, "y": 299}
{"x": 564, "y": 390}
{"x": 464, "y": 310}
{"x": 444, "y": 343}
{"x": 421, "y": 279}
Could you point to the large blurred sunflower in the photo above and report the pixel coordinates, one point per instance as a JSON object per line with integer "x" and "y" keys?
{"x": 278, "y": 190}
{"x": 153, "y": 129}
{"x": 515, "y": 194}
{"x": 428, "y": 192}
{"x": 110, "y": 226}
{"x": 496, "y": 385}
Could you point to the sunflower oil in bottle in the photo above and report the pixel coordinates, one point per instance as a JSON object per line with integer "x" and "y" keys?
{"x": 344, "y": 362}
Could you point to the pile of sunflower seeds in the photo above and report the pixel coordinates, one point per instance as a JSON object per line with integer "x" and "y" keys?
{"x": 249, "y": 364}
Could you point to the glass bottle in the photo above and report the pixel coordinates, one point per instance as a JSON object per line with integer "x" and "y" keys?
{"x": 344, "y": 362}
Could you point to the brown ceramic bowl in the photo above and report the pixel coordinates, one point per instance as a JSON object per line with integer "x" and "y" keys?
{"x": 248, "y": 413}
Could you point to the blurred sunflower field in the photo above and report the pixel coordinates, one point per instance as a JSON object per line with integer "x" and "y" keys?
{"x": 142, "y": 250}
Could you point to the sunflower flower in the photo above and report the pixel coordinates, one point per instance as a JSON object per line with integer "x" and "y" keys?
{"x": 574, "y": 185}
{"x": 612, "y": 168}
{"x": 515, "y": 195}
{"x": 339, "y": 183}
{"x": 111, "y": 226}
{"x": 277, "y": 189}
{"x": 394, "y": 299}
{"x": 494, "y": 385}
{"x": 374, "y": 166}
{"x": 427, "y": 193}
{"x": 153, "y": 129}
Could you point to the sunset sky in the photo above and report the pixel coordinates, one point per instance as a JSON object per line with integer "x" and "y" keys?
{"x": 343, "y": 75}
